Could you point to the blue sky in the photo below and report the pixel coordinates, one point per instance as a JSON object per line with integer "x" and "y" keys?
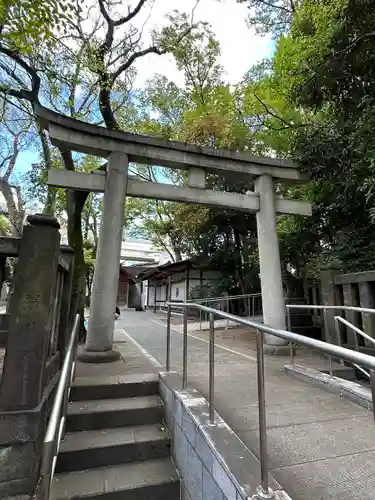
{"x": 228, "y": 20}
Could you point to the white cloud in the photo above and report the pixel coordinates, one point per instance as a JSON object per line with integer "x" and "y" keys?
{"x": 241, "y": 47}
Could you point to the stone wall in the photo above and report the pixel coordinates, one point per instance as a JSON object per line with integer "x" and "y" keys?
{"x": 212, "y": 461}
{"x": 34, "y": 332}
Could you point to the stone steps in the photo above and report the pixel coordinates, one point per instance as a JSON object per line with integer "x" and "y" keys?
{"x": 119, "y": 412}
{"x": 91, "y": 388}
{"x": 150, "y": 480}
{"x": 119, "y": 445}
{"x": 116, "y": 446}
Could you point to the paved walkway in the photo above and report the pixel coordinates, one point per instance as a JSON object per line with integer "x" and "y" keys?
{"x": 320, "y": 447}
{"x": 132, "y": 362}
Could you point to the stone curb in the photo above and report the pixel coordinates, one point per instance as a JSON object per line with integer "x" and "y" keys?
{"x": 344, "y": 388}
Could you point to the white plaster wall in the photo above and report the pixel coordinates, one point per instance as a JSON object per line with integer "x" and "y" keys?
{"x": 180, "y": 285}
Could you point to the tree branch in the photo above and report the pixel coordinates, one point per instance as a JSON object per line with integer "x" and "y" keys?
{"x": 279, "y": 7}
{"x": 18, "y": 94}
{"x": 31, "y": 95}
{"x": 274, "y": 115}
{"x": 126, "y": 65}
{"x": 10, "y": 72}
{"x": 131, "y": 14}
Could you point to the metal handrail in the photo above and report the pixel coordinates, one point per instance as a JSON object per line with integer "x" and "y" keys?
{"x": 341, "y": 308}
{"x": 327, "y": 331}
{"x": 224, "y": 297}
{"x": 56, "y": 423}
{"x": 359, "y": 332}
{"x": 333, "y": 350}
{"x": 356, "y": 330}
{"x": 249, "y": 302}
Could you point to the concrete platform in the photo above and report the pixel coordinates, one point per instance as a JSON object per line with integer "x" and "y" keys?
{"x": 321, "y": 446}
{"x": 131, "y": 361}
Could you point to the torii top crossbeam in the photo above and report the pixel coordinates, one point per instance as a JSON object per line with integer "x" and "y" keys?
{"x": 96, "y": 140}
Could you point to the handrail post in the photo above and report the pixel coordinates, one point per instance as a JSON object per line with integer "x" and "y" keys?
{"x": 168, "y": 354}
{"x": 264, "y": 491}
{"x": 184, "y": 351}
{"x": 328, "y": 339}
{"x": 372, "y": 382}
{"x": 211, "y": 379}
{"x": 289, "y": 326}
{"x": 338, "y": 336}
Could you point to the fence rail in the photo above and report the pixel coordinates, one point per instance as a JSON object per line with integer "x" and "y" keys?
{"x": 330, "y": 349}
{"x": 56, "y": 423}
{"x": 327, "y": 331}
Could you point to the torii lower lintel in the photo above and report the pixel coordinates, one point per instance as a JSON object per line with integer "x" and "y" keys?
{"x": 96, "y": 182}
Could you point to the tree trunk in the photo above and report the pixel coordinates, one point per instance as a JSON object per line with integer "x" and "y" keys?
{"x": 50, "y": 205}
{"x": 75, "y": 201}
{"x": 15, "y": 213}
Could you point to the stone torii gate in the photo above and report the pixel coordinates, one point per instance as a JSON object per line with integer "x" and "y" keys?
{"x": 120, "y": 148}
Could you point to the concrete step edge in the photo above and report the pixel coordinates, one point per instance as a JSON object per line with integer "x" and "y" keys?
{"x": 93, "y": 388}
{"x": 106, "y": 481}
{"x": 110, "y": 405}
{"x": 104, "y": 438}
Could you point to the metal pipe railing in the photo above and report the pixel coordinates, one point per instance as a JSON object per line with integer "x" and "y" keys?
{"x": 325, "y": 321}
{"x": 223, "y": 298}
{"x": 211, "y": 376}
{"x": 56, "y": 423}
{"x": 371, "y": 373}
{"x": 355, "y": 329}
{"x": 339, "y": 308}
{"x": 249, "y": 303}
{"x": 184, "y": 350}
{"x": 294, "y": 338}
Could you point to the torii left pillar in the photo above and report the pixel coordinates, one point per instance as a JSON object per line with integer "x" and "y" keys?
{"x": 99, "y": 342}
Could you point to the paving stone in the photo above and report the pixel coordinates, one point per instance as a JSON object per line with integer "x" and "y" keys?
{"x": 211, "y": 490}
{"x": 189, "y": 427}
{"x": 179, "y": 449}
{"x": 184, "y": 493}
{"x": 194, "y": 474}
{"x": 316, "y": 441}
{"x": 340, "y": 478}
{"x": 222, "y": 479}
{"x": 204, "y": 451}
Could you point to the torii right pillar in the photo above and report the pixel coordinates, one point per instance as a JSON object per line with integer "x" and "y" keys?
{"x": 273, "y": 303}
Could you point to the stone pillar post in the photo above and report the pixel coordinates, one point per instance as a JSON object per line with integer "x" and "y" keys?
{"x": 269, "y": 262}
{"x": 31, "y": 315}
{"x": 99, "y": 340}
{"x": 330, "y": 297}
{"x": 367, "y": 300}
{"x": 350, "y": 296}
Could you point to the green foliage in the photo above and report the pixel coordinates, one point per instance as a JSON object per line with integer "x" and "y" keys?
{"x": 271, "y": 16}
{"x": 28, "y": 21}
{"x": 325, "y": 64}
